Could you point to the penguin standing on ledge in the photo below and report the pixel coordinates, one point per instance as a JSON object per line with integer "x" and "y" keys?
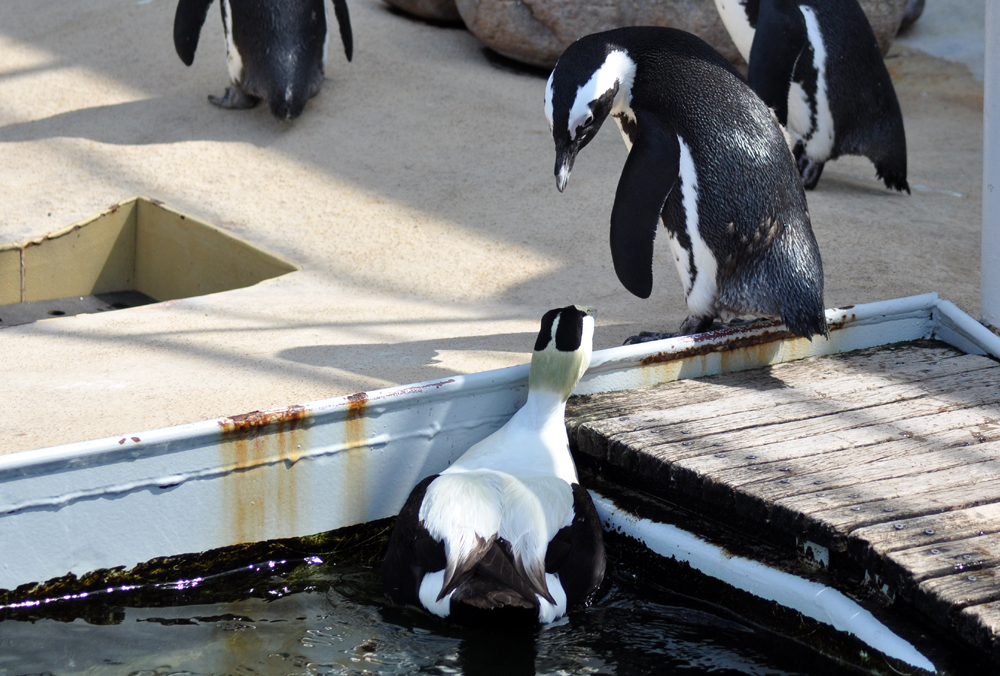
{"x": 276, "y": 49}
{"x": 818, "y": 65}
{"x": 708, "y": 158}
{"x": 507, "y": 533}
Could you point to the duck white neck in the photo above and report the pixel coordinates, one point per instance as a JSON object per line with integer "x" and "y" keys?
{"x": 543, "y": 408}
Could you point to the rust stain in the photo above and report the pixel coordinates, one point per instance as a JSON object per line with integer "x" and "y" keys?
{"x": 753, "y": 347}
{"x": 261, "y": 448}
{"x": 836, "y": 326}
{"x": 356, "y": 439}
{"x": 703, "y": 347}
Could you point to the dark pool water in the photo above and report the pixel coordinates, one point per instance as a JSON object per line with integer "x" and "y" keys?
{"x": 314, "y": 618}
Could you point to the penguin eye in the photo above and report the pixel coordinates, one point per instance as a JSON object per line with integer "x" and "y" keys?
{"x": 588, "y": 120}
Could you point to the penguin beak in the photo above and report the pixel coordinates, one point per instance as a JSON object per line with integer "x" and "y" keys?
{"x": 564, "y": 164}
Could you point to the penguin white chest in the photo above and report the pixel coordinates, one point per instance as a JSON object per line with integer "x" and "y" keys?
{"x": 697, "y": 267}
{"x": 233, "y": 58}
{"x": 737, "y": 23}
{"x": 809, "y": 117}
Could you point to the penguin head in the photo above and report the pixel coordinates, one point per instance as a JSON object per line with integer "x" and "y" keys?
{"x": 589, "y": 79}
{"x": 562, "y": 350}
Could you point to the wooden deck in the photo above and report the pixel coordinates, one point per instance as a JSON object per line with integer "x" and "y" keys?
{"x": 882, "y": 462}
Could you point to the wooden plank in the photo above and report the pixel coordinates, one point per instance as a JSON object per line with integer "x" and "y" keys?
{"x": 832, "y": 514}
{"x": 826, "y": 455}
{"x": 910, "y": 362}
{"x": 980, "y": 625}
{"x": 693, "y": 426}
{"x": 873, "y": 543}
{"x": 852, "y": 391}
{"x": 757, "y": 492}
{"x": 943, "y": 559}
{"x": 944, "y": 596}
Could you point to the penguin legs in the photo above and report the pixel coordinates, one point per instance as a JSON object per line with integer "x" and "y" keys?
{"x": 234, "y": 98}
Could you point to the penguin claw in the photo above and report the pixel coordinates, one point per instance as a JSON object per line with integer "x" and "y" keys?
{"x": 234, "y": 99}
{"x": 648, "y": 336}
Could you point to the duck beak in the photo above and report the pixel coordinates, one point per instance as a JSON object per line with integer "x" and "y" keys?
{"x": 564, "y": 164}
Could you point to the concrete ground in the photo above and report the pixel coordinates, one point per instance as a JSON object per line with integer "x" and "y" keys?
{"x": 417, "y": 193}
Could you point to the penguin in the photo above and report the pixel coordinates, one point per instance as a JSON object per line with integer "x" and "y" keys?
{"x": 706, "y": 157}
{"x": 276, "y": 49}
{"x": 506, "y": 534}
{"x": 818, "y": 65}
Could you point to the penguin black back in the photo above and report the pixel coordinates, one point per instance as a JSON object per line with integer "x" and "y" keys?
{"x": 708, "y": 157}
{"x": 275, "y": 48}
{"x": 866, "y": 115}
{"x": 818, "y": 65}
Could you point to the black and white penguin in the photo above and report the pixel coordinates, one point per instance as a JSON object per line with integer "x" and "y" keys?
{"x": 818, "y": 65}
{"x": 276, "y": 49}
{"x": 705, "y": 155}
{"x": 507, "y": 532}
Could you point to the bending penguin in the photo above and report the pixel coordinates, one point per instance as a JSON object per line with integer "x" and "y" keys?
{"x": 507, "y": 533}
{"x": 276, "y": 49}
{"x": 706, "y": 157}
{"x": 818, "y": 65}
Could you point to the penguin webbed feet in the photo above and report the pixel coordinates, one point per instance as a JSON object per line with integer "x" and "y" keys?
{"x": 234, "y": 99}
{"x": 648, "y": 337}
{"x": 689, "y": 326}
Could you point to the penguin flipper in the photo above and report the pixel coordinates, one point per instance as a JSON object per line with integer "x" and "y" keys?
{"x": 344, "y": 22}
{"x": 188, "y": 20}
{"x": 649, "y": 174}
{"x": 780, "y": 38}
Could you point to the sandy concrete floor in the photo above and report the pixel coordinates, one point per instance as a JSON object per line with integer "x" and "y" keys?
{"x": 417, "y": 193}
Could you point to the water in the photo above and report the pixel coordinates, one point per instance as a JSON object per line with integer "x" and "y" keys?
{"x": 316, "y": 617}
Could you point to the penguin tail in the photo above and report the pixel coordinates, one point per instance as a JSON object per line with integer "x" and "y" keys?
{"x": 889, "y": 156}
{"x": 806, "y": 324}
{"x": 893, "y": 179}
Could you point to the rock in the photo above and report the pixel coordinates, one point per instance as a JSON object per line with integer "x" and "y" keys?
{"x": 537, "y": 31}
{"x": 436, "y": 10}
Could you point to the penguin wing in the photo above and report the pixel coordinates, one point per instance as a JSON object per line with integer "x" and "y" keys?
{"x": 780, "y": 38}
{"x": 344, "y": 21}
{"x": 576, "y": 553}
{"x": 647, "y": 178}
{"x": 188, "y": 20}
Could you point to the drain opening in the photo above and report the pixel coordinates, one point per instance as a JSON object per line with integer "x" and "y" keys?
{"x": 135, "y": 253}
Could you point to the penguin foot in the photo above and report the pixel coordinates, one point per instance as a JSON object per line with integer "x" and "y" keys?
{"x": 914, "y": 8}
{"x": 693, "y": 325}
{"x": 647, "y": 337}
{"x": 810, "y": 170}
{"x": 234, "y": 99}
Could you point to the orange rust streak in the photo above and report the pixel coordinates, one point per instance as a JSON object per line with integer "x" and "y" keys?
{"x": 356, "y": 440}
{"x": 256, "y": 487}
{"x": 708, "y": 348}
{"x": 254, "y": 420}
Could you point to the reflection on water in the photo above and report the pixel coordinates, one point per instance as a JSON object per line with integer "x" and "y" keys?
{"x": 323, "y": 619}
